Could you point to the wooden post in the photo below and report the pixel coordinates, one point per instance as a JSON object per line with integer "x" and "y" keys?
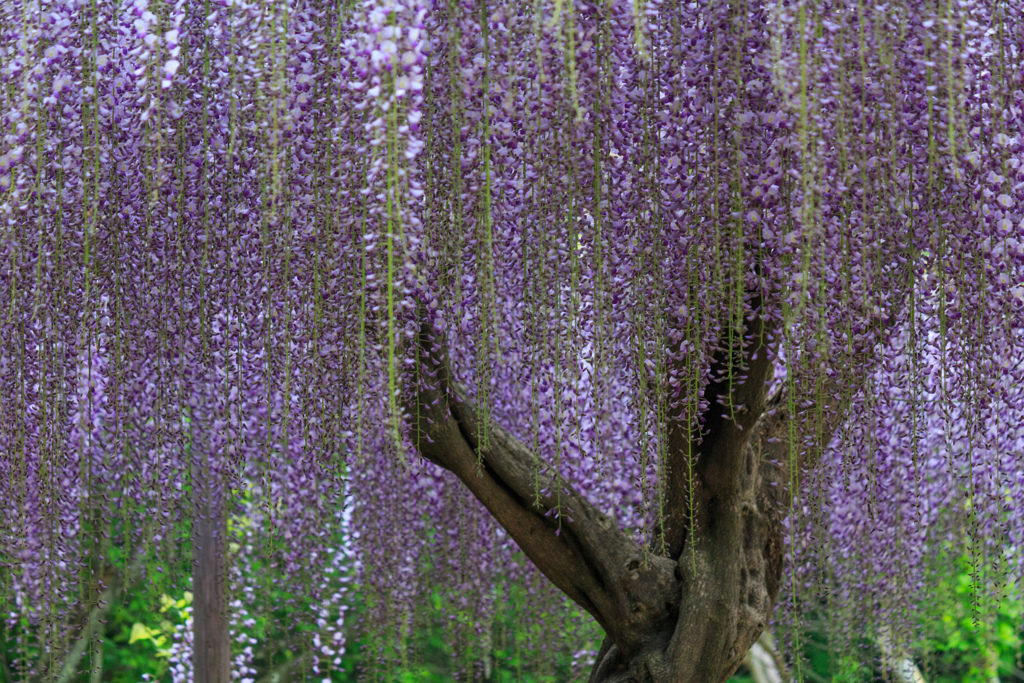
{"x": 211, "y": 656}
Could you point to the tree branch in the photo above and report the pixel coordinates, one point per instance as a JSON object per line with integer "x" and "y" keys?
{"x": 712, "y": 453}
{"x": 95, "y": 621}
{"x": 590, "y": 559}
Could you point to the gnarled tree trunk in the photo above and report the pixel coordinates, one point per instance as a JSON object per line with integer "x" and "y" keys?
{"x": 690, "y": 614}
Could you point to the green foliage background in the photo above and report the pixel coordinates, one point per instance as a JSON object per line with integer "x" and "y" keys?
{"x": 957, "y": 648}
{"x": 977, "y": 637}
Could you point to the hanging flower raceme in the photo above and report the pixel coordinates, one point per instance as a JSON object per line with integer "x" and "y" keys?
{"x": 228, "y": 225}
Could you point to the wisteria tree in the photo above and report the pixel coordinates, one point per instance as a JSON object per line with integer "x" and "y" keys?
{"x": 668, "y": 296}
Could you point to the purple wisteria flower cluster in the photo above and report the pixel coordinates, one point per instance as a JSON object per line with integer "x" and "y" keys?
{"x": 224, "y": 225}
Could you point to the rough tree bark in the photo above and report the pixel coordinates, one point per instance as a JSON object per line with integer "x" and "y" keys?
{"x": 691, "y": 615}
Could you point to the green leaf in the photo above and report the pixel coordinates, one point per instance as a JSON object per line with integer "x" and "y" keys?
{"x": 139, "y": 632}
{"x": 166, "y": 602}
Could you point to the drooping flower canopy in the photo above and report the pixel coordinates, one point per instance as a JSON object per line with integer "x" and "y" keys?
{"x": 225, "y": 222}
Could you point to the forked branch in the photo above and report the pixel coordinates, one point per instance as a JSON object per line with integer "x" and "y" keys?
{"x": 590, "y": 559}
